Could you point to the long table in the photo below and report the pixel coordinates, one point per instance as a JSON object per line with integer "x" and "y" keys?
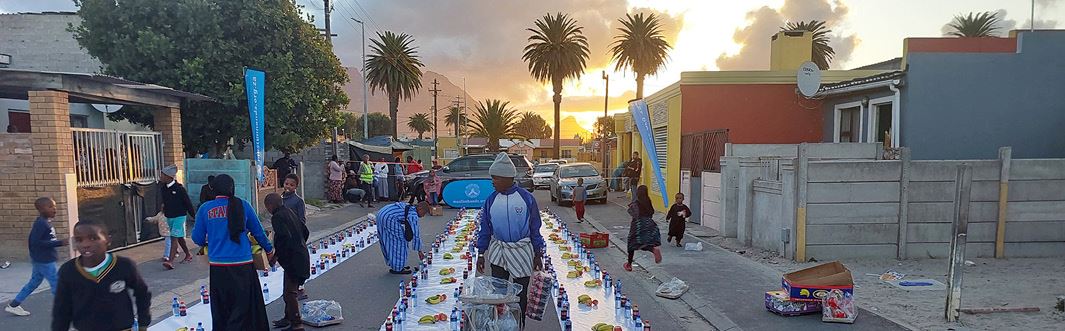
{"x": 343, "y": 244}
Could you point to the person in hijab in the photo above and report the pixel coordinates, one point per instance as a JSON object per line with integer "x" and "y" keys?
{"x": 509, "y": 237}
{"x": 643, "y": 232}
{"x": 390, "y": 230}
{"x": 225, "y": 222}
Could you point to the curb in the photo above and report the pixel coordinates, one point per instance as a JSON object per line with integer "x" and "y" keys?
{"x": 701, "y": 307}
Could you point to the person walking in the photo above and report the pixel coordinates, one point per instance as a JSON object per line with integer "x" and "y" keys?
{"x": 509, "y": 238}
{"x": 290, "y": 246}
{"x": 643, "y": 231}
{"x": 335, "y": 174}
{"x": 224, "y": 226}
{"x": 381, "y": 179}
{"x": 633, "y": 170}
{"x": 366, "y": 178}
{"x": 42, "y": 244}
{"x": 580, "y": 195}
{"x": 176, "y": 206}
{"x": 397, "y": 224}
{"x": 678, "y": 218}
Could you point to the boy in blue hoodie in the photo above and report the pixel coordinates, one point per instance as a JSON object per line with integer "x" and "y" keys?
{"x": 42, "y": 243}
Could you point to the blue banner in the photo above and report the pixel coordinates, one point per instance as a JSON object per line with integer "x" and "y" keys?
{"x": 255, "y": 84}
{"x": 468, "y": 193}
{"x": 642, "y": 117}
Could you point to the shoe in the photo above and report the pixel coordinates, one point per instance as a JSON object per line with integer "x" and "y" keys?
{"x": 282, "y": 323}
{"x": 679, "y": 245}
{"x": 401, "y": 272}
{"x": 188, "y": 258}
{"x": 302, "y": 296}
{"x": 166, "y": 259}
{"x": 168, "y": 265}
{"x": 627, "y": 266}
{"x": 658, "y": 254}
{"x": 17, "y": 310}
{"x": 293, "y": 328}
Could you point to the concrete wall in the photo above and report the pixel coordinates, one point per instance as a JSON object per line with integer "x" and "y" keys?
{"x": 40, "y": 41}
{"x": 314, "y": 160}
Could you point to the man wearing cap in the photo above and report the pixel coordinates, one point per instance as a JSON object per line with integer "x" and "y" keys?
{"x": 175, "y": 204}
{"x": 509, "y": 237}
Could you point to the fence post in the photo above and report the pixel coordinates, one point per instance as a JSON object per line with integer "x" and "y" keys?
{"x": 801, "y": 170}
{"x": 302, "y": 194}
{"x": 904, "y": 200}
{"x": 1004, "y": 157}
{"x": 960, "y": 227}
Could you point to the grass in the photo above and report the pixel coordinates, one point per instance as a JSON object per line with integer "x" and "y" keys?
{"x": 315, "y": 202}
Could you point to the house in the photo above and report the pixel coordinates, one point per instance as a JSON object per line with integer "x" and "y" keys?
{"x": 958, "y": 98}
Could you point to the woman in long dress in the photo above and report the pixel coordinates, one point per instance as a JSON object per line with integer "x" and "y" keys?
{"x": 643, "y": 231}
{"x": 334, "y": 192}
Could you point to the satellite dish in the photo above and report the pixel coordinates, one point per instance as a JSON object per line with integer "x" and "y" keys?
{"x": 105, "y": 108}
{"x": 808, "y": 79}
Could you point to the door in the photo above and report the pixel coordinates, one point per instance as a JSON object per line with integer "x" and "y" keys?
{"x": 685, "y": 184}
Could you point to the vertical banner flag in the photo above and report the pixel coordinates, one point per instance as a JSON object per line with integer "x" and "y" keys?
{"x": 641, "y": 115}
{"x": 255, "y": 84}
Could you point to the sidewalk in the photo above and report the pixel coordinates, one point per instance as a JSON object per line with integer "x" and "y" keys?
{"x": 727, "y": 289}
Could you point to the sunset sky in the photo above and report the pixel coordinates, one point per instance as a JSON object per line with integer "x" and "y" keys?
{"x": 482, "y": 40}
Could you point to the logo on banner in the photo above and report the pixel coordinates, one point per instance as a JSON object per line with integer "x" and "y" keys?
{"x": 472, "y": 190}
{"x": 467, "y": 193}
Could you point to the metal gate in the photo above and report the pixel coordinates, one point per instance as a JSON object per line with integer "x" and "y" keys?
{"x": 108, "y": 157}
{"x": 703, "y": 151}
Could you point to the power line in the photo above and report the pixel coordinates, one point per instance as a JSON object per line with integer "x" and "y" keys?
{"x": 368, "y": 16}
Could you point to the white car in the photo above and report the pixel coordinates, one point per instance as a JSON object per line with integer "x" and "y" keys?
{"x": 565, "y": 178}
{"x": 542, "y": 173}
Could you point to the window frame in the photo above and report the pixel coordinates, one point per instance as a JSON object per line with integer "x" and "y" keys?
{"x": 837, "y": 111}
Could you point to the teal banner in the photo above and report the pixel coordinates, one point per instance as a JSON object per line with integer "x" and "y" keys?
{"x": 641, "y": 115}
{"x": 469, "y": 193}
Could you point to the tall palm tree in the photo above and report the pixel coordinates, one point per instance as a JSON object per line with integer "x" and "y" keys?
{"x": 822, "y": 53}
{"x": 394, "y": 67}
{"x": 494, "y": 119}
{"x": 985, "y": 24}
{"x": 533, "y": 126}
{"x": 640, "y": 47}
{"x": 420, "y": 123}
{"x": 456, "y": 119}
{"x": 557, "y": 50}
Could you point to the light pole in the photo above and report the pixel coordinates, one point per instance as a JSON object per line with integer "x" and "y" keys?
{"x": 365, "y": 101}
{"x": 602, "y": 126}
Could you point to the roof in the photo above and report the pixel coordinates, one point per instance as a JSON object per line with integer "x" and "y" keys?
{"x": 387, "y": 141}
{"x": 545, "y": 143}
{"x": 891, "y": 75}
{"x": 893, "y": 64}
{"x": 371, "y": 148}
{"x": 92, "y": 88}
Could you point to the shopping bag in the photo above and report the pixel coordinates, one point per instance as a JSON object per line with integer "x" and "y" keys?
{"x": 539, "y": 295}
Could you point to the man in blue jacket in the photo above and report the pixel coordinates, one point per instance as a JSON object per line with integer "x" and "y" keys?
{"x": 42, "y": 243}
{"x": 510, "y": 230}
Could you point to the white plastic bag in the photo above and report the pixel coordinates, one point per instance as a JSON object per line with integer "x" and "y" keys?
{"x": 320, "y": 313}
{"x": 695, "y": 246}
{"x": 672, "y": 289}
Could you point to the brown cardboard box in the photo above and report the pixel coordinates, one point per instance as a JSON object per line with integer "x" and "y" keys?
{"x": 436, "y": 211}
{"x": 260, "y": 260}
{"x": 812, "y": 284}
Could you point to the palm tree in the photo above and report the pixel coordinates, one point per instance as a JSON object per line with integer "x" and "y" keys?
{"x": 494, "y": 119}
{"x": 531, "y": 125}
{"x": 393, "y": 67}
{"x": 557, "y": 50}
{"x": 640, "y": 47}
{"x": 985, "y": 24}
{"x": 456, "y": 119}
{"x": 822, "y": 52}
{"x": 420, "y": 123}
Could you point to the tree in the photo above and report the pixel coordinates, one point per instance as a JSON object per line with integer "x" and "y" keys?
{"x": 456, "y": 119}
{"x": 985, "y": 24}
{"x": 557, "y": 51}
{"x": 640, "y": 47}
{"x": 420, "y": 123}
{"x": 379, "y": 124}
{"x": 494, "y": 119}
{"x": 532, "y": 126}
{"x": 206, "y": 55}
{"x": 394, "y": 67}
{"x": 822, "y": 53}
{"x": 604, "y": 127}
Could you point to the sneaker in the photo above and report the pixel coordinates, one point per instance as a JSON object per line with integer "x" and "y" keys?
{"x": 627, "y": 266}
{"x": 17, "y": 310}
{"x": 658, "y": 254}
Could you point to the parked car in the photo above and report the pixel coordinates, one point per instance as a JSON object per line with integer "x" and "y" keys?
{"x": 557, "y": 161}
{"x": 542, "y": 174}
{"x": 565, "y": 178}
{"x": 472, "y": 167}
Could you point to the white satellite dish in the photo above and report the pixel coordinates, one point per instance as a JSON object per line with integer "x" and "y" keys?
{"x": 105, "y": 108}
{"x": 808, "y": 79}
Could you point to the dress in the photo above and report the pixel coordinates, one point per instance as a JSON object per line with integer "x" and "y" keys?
{"x": 336, "y": 182}
{"x": 390, "y": 231}
{"x": 676, "y": 221}
{"x": 643, "y": 232}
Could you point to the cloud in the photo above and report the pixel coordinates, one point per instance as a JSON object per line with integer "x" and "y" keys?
{"x": 766, "y": 21}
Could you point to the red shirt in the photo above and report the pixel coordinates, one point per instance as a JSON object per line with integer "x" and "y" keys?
{"x": 413, "y": 167}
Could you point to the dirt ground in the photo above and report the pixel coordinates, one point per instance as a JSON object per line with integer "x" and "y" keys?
{"x": 986, "y": 283}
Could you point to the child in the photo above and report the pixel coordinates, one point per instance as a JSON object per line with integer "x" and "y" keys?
{"x": 42, "y": 242}
{"x": 677, "y": 216}
{"x": 432, "y": 187}
{"x": 643, "y": 231}
{"x": 93, "y": 290}
{"x": 290, "y": 245}
{"x": 580, "y": 195}
{"x": 293, "y": 201}
{"x": 176, "y": 206}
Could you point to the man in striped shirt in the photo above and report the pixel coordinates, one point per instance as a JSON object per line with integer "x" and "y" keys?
{"x": 390, "y": 219}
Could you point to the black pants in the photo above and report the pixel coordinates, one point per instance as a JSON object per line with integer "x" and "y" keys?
{"x": 291, "y": 298}
{"x": 236, "y": 299}
{"x": 370, "y": 194}
{"x": 523, "y": 297}
{"x": 632, "y": 251}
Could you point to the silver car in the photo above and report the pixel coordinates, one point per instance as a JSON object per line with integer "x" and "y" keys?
{"x": 542, "y": 174}
{"x": 565, "y": 178}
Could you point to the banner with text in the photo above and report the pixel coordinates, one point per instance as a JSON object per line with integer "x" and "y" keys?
{"x": 641, "y": 115}
{"x": 255, "y": 84}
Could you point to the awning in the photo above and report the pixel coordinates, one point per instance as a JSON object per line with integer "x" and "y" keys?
{"x": 371, "y": 148}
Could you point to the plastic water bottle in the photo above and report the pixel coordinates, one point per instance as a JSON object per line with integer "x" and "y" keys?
{"x": 205, "y": 297}
{"x": 617, "y": 286}
{"x": 454, "y": 319}
{"x": 175, "y": 307}
{"x": 266, "y": 293}
{"x": 414, "y": 297}
{"x": 136, "y": 326}
{"x": 639, "y": 323}
{"x": 182, "y": 309}
{"x": 199, "y": 326}
{"x": 402, "y": 289}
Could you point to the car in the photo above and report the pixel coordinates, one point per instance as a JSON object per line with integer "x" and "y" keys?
{"x": 565, "y": 178}
{"x": 542, "y": 174}
{"x": 473, "y": 166}
{"x": 557, "y": 161}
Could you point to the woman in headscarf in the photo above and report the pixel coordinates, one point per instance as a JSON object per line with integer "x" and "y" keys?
{"x": 336, "y": 181}
{"x": 223, "y": 226}
{"x": 643, "y": 232}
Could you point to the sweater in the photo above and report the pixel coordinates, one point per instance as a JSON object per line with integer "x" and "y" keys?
{"x": 510, "y": 216}
{"x": 175, "y": 200}
{"x": 42, "y": 241}
{"x": 295, "y": 202}
{"x": 103, "y": 302}
{"x": 212, "y": 230}
{"x": 290, "y": 242}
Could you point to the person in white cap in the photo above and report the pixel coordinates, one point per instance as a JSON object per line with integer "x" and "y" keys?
{"x": 510, "y": 230}
{"x": 175, "y": 204}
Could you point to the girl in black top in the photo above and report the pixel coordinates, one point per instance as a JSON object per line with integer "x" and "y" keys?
{"x": 643, "y": 231}
{"x": 678, "y": 217}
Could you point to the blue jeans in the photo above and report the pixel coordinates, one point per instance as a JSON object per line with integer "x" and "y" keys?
{"x": 41, "y": 271}
{"x": 432, "y": 197}
{"x": 166, "y": 247}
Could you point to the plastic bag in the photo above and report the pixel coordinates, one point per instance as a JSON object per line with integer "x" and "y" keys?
{"x": 321, "y": 313}
{"x": 672, "y": 289}
{"x": 539, "y": 295}
{"x": 490, "y": 288}
{"x": 838, "y": 307}
{"x": 696, "y": 246}
{"x": 492, "y": 317}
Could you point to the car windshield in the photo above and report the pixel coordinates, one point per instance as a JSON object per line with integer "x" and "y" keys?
{"x": 583, "y": 170}
{"x": 546, "y": 168}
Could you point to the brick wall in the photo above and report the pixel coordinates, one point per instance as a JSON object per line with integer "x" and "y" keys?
{"x": 17, "y": 192}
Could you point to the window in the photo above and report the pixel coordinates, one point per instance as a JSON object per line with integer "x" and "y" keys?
{"x": 881, "y": 119}
{"x": 567, "y": 154}
{"x": 79, "y": 121}
{"x": 848, "y": 123}
{"x": 459, "y": 165}
{"x": 581, "y": 170}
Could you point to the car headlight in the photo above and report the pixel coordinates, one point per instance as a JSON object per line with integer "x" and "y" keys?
{"x": 566, "y": 188}
{"x": 592, "y": 187}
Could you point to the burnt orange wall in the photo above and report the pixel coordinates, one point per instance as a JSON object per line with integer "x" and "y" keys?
{"x": 753, "y": 113}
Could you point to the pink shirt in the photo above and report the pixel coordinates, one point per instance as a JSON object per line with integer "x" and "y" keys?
{"x": 432, "y": 184}
{"x": 336, "y": 172}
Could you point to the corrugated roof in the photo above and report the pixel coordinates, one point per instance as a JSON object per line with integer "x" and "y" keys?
{"x": 863, "y": 80}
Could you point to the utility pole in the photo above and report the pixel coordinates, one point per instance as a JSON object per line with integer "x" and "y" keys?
{"x": 460, "y": 122}
{"x": 436, "y": 133}
{"x": 464, "y": 118}
{"x": 329, "y": 39}
{"x": 365, "y": 82}
{"x": 602, "y": 126}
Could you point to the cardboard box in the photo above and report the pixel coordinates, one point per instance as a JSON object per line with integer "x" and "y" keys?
{"x": 779, "y": 303}
{"x": 436, "y": 211}
{"x": 595, "y": 239}
{"x": 260, "y": 260}
{"x": 814, "y": 283}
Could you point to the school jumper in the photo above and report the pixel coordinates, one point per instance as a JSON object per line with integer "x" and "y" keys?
{"x": 100, "y": 300}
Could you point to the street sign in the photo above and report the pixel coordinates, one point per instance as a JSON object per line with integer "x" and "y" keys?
{"x": 808, "y": 78}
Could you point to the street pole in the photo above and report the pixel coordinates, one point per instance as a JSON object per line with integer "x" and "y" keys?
{"x": 436, "y": 134}
{"x": 329, "y": 39}
{"x": 602, "y": 133}
{"x": 465, "y": 120}
{"x": 365, "y": 101}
